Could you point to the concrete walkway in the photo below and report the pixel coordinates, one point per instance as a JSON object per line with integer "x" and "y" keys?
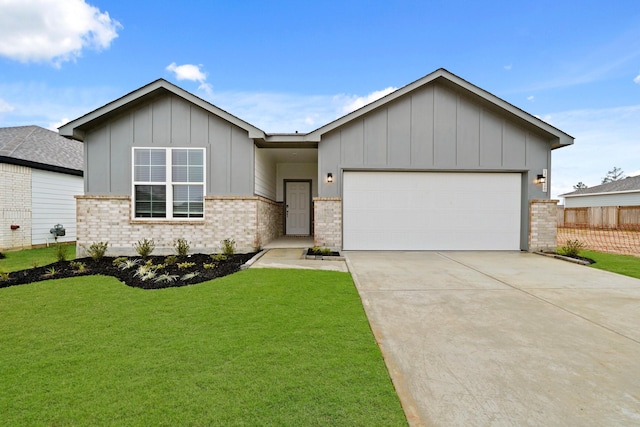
{"x": 504, "y": 339}
{"x": 294, "y": 258}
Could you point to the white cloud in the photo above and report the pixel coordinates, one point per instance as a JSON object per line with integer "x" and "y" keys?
{"x": 637, "y": 79}
{"x": 5, "y": 107}
{"x": 508, "y": 67}
{"x": 54, "y": 126}
{"x": 192, "y": 73}
{"x": 187, "y": 72}
{"x": 357, "y": 102}
{"x": 53, "y": 30}
{"x": 531, "y": 98}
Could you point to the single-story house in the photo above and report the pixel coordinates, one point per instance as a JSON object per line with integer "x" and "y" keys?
{"x": 623, "y": 192}
{"x": 615, "y": 204}
{"x": 439, "y": 164}
{"x": 40, "y": 174}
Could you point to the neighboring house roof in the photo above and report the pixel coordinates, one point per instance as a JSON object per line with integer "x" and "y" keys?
{"x": 627, "y": 185}
{"x": 76, "y": 128}
{"x": 40, "y": 148}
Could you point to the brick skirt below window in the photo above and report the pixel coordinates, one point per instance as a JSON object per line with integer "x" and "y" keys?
{"x": 250, "y": 221}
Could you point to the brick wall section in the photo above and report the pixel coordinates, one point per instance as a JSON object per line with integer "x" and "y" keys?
{"x": 108, "y": 218}
{"x": 542, "y": 225}
{"x": 15, "y": 206}
{"x": 328, "y": 222}
{"x": 270, "y": 221}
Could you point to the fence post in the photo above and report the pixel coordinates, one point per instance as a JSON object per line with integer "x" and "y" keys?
{"x": 542, "y": 225}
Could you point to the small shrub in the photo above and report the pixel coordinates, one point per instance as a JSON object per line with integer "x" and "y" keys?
{"x": 78, "y": 266}
{"x": 228, "y": 246}
{"x": 116, "y": 262}
{"x": 97, "y": 250}
{"x": 166, "y": 278}
{"x": 51, "y": 271}
{"x": 326, "y": 251}
{"x": 181, "y": 246}
{"x": 183, "y": 265}
{"x": 218, "y": 257}
{"x": 171, "y": 259}
{"x": 572, "y": 248}
{"x": 127, "y": 263}
{"x": 209, "y": 266}
{"x": 61, "y": 252}
{"x": 144, "y": 247}
{"x": 189, "y": 276}
{"x": 4, "y": 276}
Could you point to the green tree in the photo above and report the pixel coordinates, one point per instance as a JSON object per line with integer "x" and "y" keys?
{"x": 614, "y": 174}
{"x": 579, "y": 186}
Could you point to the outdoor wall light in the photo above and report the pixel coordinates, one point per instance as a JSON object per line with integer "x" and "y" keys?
{"x": 329, "y": 177}
{"x": 542, "y": 179}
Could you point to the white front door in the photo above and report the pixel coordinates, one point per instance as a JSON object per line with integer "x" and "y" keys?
{"x": 298, "y": 208}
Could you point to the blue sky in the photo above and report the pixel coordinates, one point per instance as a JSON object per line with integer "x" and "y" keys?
{"x": 290, "y": 65}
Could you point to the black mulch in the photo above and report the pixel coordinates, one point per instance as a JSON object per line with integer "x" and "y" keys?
{"x": 166, "y": 277}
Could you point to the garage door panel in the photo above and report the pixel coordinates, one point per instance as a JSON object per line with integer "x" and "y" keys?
{"x": 431, "y": 211}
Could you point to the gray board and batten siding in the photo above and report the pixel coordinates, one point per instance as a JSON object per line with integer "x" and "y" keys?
{"x": 437, "y": 128}
{"x": 165, "y": 121}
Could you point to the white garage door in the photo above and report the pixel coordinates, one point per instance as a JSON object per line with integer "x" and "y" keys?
{"x": 431, "y": 211}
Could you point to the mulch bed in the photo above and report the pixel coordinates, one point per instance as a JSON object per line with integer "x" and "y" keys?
{"x": 166, "y": 277}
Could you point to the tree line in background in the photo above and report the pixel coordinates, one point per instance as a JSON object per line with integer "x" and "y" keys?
{"x": 614, "y": 174}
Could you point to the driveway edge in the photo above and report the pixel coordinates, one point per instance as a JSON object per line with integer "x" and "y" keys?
{"x": 402, "y": 390}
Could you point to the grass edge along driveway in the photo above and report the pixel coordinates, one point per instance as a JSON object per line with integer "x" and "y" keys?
{"x": 260, "y": 347}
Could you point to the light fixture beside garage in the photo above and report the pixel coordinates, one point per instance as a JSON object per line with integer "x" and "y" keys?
{"x": 329, "y": 177}
{"x": 542, "y": 179}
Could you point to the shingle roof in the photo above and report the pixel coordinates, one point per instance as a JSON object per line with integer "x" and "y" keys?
{"x": 40, "y": 148}
{"x": 631, "y": 183}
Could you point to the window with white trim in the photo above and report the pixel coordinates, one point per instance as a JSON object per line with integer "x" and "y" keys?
{"x": 168, "y": 182}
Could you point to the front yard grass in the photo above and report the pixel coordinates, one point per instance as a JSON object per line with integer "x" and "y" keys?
{"x": 28, "y": 258}
{"x": 260, "y": 347}
{"x": 622, "y": 264}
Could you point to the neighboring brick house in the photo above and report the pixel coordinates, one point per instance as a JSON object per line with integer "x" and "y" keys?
{"x": 40, "y": 173}
{"x": 437, "y": 164}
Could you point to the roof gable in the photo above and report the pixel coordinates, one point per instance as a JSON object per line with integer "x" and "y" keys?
{"x": 629, "y": 184}
{"x": 76, "y": 129}
{"x": 40, "y": 148}
{"x": 451, "y": 80}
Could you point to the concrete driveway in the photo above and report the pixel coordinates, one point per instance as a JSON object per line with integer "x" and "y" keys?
{"x": 504, "y": 338}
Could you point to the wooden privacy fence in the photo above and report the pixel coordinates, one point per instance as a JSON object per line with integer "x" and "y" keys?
{"x": 614, "y": 229}
{"x": 609, "y": 217}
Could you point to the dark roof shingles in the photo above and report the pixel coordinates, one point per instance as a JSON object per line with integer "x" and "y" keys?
{"x": 627, "y": 184}
{"x": 40, "y": 145}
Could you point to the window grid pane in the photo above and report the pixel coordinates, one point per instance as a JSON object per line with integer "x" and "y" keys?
{"x": 188, "y": 201}
{"x": 151, "y": 201}
{"x": 150, "y": 166}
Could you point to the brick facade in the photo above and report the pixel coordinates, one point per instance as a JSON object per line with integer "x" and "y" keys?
{"x": 270, "y": 221}
{"x": 542, "y": 225}
{"x": 247, "y": 220}
{"x": 328, "y": 222}
{"x": 15, "y": 206}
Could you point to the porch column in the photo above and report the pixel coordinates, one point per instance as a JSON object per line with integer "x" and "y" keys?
{"x": 327, "y": 222}
{"x": 543, "y": 225}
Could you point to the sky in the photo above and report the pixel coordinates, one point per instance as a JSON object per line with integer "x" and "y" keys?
{"x": 287, "y": 66}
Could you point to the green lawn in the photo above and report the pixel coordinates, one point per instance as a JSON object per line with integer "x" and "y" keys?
{"x": 28, "y": 258}
{"x": 261, "y": 347}
{"x": 622, "y": 264}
